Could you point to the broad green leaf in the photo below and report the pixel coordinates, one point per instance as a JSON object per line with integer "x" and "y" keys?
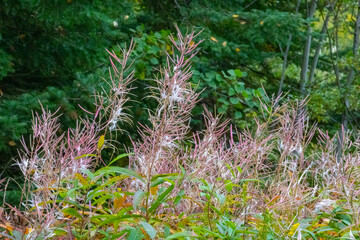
{"x": 72, "y": 212}
{"x": 166, "y": 231}
{"x": 138, "y": 196}
{"x": 231, "y": 72}
{"x": 238, "y": 114}
{"x": 149, "y": 229}
{"x": 154, "y": 61}
{"x": 178, "y": 235}
{"x": 238, "y": 73}
{"x": 125, "y": 171}
{"x": 119, "y": 157}
{"x": 234, "y": 100}
{"x": 136, "y": 234}
{"x": 231, "y": 92}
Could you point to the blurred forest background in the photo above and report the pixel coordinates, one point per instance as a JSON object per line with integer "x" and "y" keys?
{"x": 53, "y": 51}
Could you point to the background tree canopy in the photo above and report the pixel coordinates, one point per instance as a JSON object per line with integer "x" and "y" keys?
{"x": 54, "y": 52}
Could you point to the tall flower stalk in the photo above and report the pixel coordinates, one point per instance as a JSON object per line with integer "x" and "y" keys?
{"x": 157, "y": 152}
{"x": 51, "y": 157}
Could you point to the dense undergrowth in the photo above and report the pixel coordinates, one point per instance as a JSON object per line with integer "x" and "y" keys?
{"x": 219, "y": 183}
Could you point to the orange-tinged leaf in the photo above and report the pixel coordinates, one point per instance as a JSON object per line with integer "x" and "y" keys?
{"x": 262, "y": 22}
{"x": 214, "y": 39}
{"x": 119, "y": 202}
{"x": 101, "y": 142}
{"x": 7, "y": 226}
{"x": 12, "y": 143}
{"x": 154, "y": 190}
{"x": 235, "y": 15}
{"x": 28, "y": 230}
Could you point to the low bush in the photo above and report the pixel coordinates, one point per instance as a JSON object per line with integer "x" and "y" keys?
{"x": 218, "y": 183}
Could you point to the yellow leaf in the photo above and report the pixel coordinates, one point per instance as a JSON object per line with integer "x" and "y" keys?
{"x": 235, "y": 16}
{"x": 214, "y": 39}
{"x": 237, "y": 49}
{"x": 224, "y": 44}
{"x": 12, "y": 143}
{"x": 262, "y": 22}
{"x": 81, "y": 179}
{"x": 293, "y": 229}
{"x": 350, "y": 18}
{"x": 191, "y": 43}
{"x": 101, "y": 142}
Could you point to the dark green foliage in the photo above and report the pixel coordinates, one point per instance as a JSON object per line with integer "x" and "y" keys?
{"x": 52, "y": 51}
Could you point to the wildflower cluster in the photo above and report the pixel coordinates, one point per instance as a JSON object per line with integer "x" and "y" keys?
{"x": 220, "y": 182}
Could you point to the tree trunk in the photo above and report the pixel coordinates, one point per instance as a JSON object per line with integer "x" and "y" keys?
{"x": 318, "y": 48}
{"x": 306, "y": 54}
{"x": 349, "y": 81}
{"x": 353, "y": 69}
{"x": 286, "y": 53}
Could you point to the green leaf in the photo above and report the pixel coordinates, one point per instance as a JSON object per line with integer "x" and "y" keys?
{"x": 125, "y": 171}
{"x": 229, "y": 185}
{"x": 238, "y": 115}
{"x": 157, "y": 35}
{"x": 165, "y": 175}
{"x": 72, "y": 212}
{"x": 239, "y": 87}
{"x": 149, "y": 229}
{"x": 222, "y": 109}
{"x": 119, "y": 157}
{"x": 234, "y": 100}
{"x": 138, "y": 196}
{"x": 178, "y": 197}
{"x": 231, "y": 92}
{"x": 17, "y": 235}
{"x": 136, "y": 234}
{"x": 238, "y": 73}
{"x": 178, "y": 235}
{"x": 154, "y": 61}
{"x": 166, "y": 231}
{"x": 311, "y": 233}
{"x": 213, "y": 84}
{"x": 231, "y": 72}
{"x": 159, "y": 200}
